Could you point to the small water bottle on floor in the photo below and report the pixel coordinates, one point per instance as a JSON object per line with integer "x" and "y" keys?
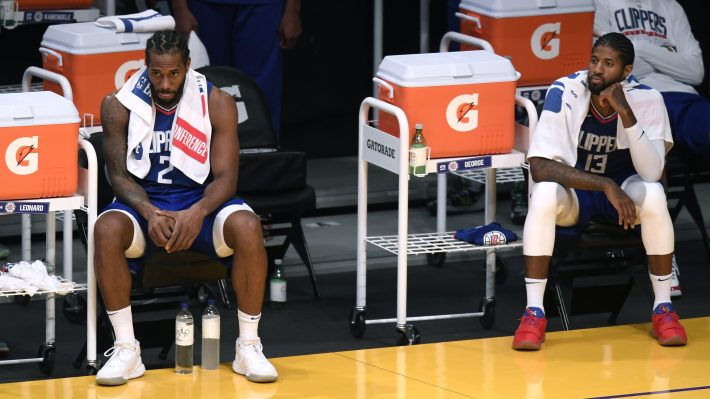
{"x": 277, "y": 286}
{"x": 210, "y": 336}
{"x": 184, "y": 340}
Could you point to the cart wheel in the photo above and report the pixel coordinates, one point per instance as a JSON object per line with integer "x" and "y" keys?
{"x": 357, "y": 323}
{"x": 91, "y": 369}
{"x": 47, "y": 353}
{"x": 22, "y": 299}
{"x": 488, "y": 307}
{"x": 409, "y": 335}
{"x": 74, "y": 308}
{"x": 436, "y": 259}
{"x": 501, "y": 271}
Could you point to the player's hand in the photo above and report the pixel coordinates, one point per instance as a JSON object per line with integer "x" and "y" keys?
{"x": 160, "y": 228}
{"x": 188, "y": 224}
{"x": 289, "y": 30}
{"x": 185, "y": 21}
{"x": 623, "y": 204}
{"x": 614, "y": 96}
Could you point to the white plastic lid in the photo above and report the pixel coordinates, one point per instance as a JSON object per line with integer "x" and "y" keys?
{"x": 525, "y": 8}
{"x": 418, "y": 126}
{"x": 88, "y": 38}
{"x": 440, "y": 69}
{"x": 36, "y": 108}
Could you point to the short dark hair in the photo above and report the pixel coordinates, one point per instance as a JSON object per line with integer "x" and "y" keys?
{"x": 620, "y": 43}
{"x": 167, "y": 41}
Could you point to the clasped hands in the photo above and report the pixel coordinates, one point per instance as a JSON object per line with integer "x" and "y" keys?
{"x": 174, "y": 230}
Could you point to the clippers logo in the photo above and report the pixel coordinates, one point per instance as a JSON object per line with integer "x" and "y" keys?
{"x": 124, "y": 72}
{"x": 21, "y": 156}
{"x": 461, "y": 113}
{"x": 494, "y": 238}
{"x": 545, "y": 42}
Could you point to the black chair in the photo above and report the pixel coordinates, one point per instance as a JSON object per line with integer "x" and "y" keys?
{"x": 271, "y": 180}
{"x": 598, "y": 260}
{"x": 683, "y": 172}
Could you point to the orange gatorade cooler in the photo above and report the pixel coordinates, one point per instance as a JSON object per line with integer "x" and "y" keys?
{"x": 95, "y": 60}
{"x": 465, "y": 100}
{"x": 39, "y": 133}
{"x": 545, "y": 39}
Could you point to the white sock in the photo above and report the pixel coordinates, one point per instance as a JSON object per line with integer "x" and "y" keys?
{"x": 661, "y": 288}
{"x": 122, "y": 322}
{"x": 535, "y": 290}
{"x": 248, "y": 325}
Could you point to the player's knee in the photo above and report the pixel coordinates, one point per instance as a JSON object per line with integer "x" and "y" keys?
{"x": 654, "y": 199}
{"x": 543, "y": 198}
{"x": 111, "y": 228}
{"x": 246, "y": 225}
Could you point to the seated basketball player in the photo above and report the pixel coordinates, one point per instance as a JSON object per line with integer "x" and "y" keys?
{"x": 172, "y": 153}
{"x": 599, "y": 151}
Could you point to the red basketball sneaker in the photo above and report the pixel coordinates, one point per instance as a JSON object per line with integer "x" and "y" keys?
{"x": 531, "y": 332}
{"x": 666, "y": 327}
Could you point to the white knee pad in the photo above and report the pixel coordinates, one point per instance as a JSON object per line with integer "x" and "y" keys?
{"x": 550, "y": 204}
{"x": 652, "y": 207}
{"x": 220, "y": 246}
{"x": 137, "y": 247}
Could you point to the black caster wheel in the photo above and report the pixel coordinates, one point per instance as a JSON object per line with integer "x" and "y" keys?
{"x": 488, "y": 307}
{"x": 409, "y": 335}
{"x": 501, "y": 271}
{"x": 436, "y": 259}
{"x": 48, "y": 354}
{"x": 357, "y": 323}
{"x": 74, "y": 308}
{"x": 164, "y": 353}
{"x": 91, "y": 370}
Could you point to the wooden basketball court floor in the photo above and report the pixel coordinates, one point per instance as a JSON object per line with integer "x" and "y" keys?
{"x": 610, "y": 362}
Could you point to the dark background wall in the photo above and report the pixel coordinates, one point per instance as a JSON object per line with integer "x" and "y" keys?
{"x": 329, "y": 72}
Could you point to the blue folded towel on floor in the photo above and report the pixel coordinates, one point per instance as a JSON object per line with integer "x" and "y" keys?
{"x": 490, "y": 234}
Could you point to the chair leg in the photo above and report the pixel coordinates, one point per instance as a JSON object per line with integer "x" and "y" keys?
{"x": 696, "y": 213}
{"x": 298, "y": 239}
{"x": 223, "y": 293}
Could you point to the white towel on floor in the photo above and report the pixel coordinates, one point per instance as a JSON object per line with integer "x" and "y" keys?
{"x": 191, "y": 130}
{"x": 146, "y": 21}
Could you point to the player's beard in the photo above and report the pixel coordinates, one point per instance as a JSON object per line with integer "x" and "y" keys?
{"x": 169, "y": 103}
{"x": 597, "y": 88}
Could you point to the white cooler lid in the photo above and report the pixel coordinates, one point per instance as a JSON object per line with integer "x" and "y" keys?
{"x": 526, "y": 8}
{"x": 36, "y": 108}
{"x": 442, "y": 69}
{"x": 88, "y": 38}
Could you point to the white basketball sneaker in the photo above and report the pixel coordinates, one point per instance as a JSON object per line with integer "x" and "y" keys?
{"x": 251, "y": 362}
{"x": 125, "y": 363}
{"x": 675, "y": 282}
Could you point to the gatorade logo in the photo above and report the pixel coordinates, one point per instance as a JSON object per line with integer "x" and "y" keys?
{"x": 545, "y": 42}
{"x": 461, "y": 114}
{"x": 241, "y": 108}
{"x": 21, "y": 156}
{"x": 124, "y": 72}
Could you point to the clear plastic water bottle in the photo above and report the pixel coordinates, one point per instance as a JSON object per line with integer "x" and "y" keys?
{"x": 277, "y": 285}
{"x": 184, "y": 340}
{"x": 210, "y": 336}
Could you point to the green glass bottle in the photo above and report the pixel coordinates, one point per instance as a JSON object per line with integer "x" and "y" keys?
{"x": 417, "y": 158}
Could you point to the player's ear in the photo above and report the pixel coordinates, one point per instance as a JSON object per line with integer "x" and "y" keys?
{"x": 627, "y": 70}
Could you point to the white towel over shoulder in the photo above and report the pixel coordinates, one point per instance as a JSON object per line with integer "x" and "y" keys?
{"x": 146, "y": 21}
{"x": 191, "y": 130}
{"x": 566, "y": 105}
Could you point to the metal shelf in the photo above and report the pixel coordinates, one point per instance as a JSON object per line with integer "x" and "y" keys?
{"x": 430, "y": 243}
{"x": 503, "y": 175}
